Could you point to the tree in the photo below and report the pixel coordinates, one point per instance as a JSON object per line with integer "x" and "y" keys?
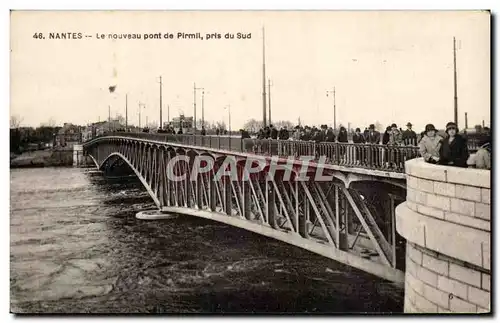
{"x": 120, "y": 119}
{"x": 220, "y": 125}
{"x": 15, "y": 121}
{"x": 283, "y": 123}
{"x": 252, "y": 125}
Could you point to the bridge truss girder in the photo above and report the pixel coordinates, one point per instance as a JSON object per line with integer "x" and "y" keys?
{"x": 323, "y": 213}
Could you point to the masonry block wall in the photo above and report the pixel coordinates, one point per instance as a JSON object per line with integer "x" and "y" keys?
{"x": 446, "y": 223}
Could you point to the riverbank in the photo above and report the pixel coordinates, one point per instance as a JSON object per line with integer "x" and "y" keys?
{"x": 42, "y": 158}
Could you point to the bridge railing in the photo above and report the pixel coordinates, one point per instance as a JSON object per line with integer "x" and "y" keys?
{"x": 372, "y": 156}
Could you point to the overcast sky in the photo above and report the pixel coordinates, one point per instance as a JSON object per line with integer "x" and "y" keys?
{"x": 386, "y": 66}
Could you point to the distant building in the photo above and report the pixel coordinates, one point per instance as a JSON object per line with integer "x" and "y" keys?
{"x": 185, "y": 122}
{"x": 68, "y": 135}
{"x": 97, "y": 129}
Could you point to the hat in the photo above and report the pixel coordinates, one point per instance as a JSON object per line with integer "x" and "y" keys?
{"x": 357, "y": 129}
{"x": 372, "y": 126}
{"x": 394, "y": 125}
{"x": 450, "y": 125}
{"x": 430, "y": 127}
{"x": 409, "y": 124}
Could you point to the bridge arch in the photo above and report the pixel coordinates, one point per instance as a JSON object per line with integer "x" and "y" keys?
{"x": 137, "y": 173}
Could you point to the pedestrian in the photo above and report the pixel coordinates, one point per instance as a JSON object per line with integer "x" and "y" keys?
{"x": 453, "y": 150}
{"x": 273, "y": 132}
{"x": 409, "y": 136}
{"x": 430, "y": 144}
{"x": 358, "y": 138}
{"x": 387, "y": 136}
{"x": 482, "y": 159}
{"x": 342, "y": 137}
{"x": 373, "y": 135}
{"x": 365, "y": 133}
{"x": 396, "y": 137}
{"x": 330, "y": 135}
{"x": 297, "y": 133}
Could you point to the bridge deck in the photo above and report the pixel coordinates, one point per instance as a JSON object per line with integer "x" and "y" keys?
{"x": 385, "y": 158}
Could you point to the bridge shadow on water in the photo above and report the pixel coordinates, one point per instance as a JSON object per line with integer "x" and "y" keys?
{"x": 188, "y": 264}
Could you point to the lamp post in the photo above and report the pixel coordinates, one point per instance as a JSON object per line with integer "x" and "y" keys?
{"x": 141, "y": 105}
{"x": 194, "y": 104}
{"x": 228, "y": 107}
{"x": 334, "y": 108}
{"x": 161, "y": 106}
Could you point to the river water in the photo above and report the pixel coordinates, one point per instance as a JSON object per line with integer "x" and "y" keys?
{"x": 76, "y": 247}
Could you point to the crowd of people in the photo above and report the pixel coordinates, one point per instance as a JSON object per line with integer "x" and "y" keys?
{"x": 392, "y": 134}
{"x": 450, "y": 149}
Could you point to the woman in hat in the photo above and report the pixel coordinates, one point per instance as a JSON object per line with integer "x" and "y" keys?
{"x": 430, "y": 144}
{"x": 453, "y": 150}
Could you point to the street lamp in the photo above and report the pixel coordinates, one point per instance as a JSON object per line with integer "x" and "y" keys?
{"x": 194, "y": 104}
{"x": 228, "y": 107}
{"x": 141, "y": 105}
{"x": 334, "y": 108}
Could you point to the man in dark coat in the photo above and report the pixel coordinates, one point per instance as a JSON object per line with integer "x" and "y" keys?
{"x": 409, "y": 136}
{"x": 330, "y": 135}
{"x": 386, "y": 137}
{"x": 342, "y": 137}
{"x": 283, "y": 134}
{"x": 453, "y": 151}
{"x": 267, "y": 132}
{"x": 319, "y": 135}
{"x": 274, "y": 132}
{"x": 358, "y": 138}
{"x": 373, "y": 135}
{"x": 244, "y": 134}
{"x": 365, "y": 133}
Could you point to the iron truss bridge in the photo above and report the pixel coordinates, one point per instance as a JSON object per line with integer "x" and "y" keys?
{"x": 346, "y": 215}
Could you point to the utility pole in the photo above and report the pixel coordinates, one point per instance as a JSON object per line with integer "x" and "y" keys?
{"x": 229, "y": 112}
{"x": 263, "y": 78}
{"x": 194, "y": 114}
{"x": 126, "y": 112}
{"x": 168, "y": 113}
{"x": 269, "y": 97}
{"x": 140, "y": 107}
{"x": 334, "y": 108}
{"x": 161, "y": 107}
{"x": 466, "y": 121}
{"x": 203, "y": 109}
{"x": 455, "y": 82}
{"x": 194, "y": 117}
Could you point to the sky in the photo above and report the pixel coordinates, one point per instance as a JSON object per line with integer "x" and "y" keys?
{"x": 385, "y": 66}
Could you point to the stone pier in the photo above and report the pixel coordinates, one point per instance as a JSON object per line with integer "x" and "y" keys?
{"x": 446, "y": 223}
{"x": 78, "y": 158}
